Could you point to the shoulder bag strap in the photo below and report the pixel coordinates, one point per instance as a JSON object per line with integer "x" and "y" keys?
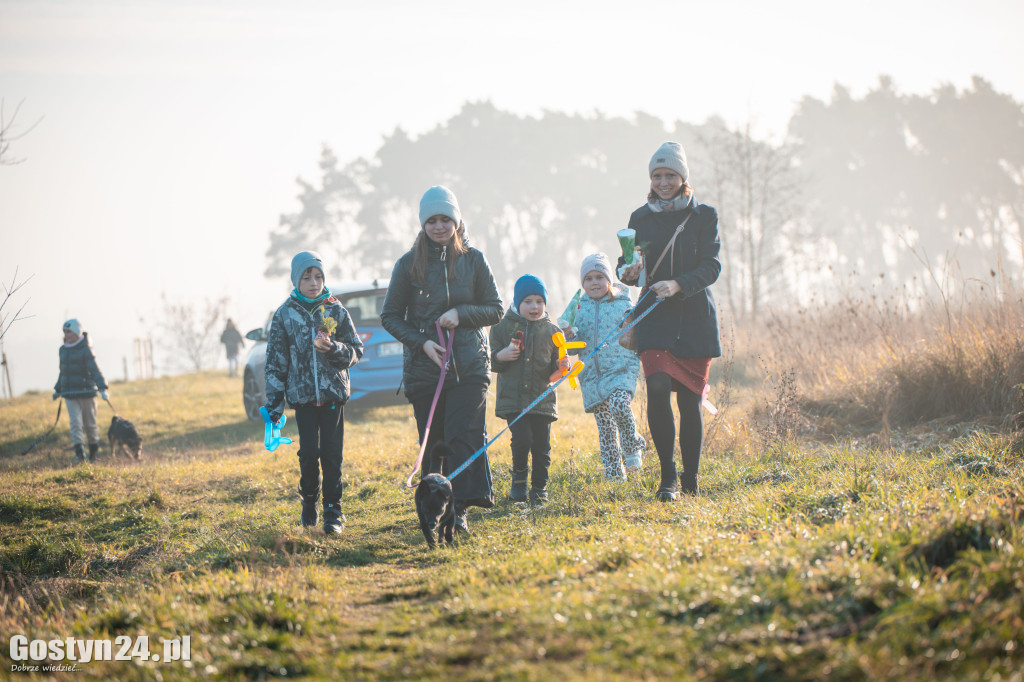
{"x": 668, "y": 247}
{"x": 671, "y": 242}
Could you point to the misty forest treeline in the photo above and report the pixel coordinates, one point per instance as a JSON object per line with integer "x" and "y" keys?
{"x": 873, "y": 186}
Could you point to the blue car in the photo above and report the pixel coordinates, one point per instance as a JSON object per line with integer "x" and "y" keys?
{"x": 375, "y": 378}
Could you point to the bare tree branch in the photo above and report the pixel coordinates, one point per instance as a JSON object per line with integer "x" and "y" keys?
{"x": 189, "y": 333}
{"x": 7, "y": 134}
{"x": 6, "y": 319}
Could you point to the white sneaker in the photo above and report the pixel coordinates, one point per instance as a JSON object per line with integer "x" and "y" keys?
{"x": 633, "y": 461}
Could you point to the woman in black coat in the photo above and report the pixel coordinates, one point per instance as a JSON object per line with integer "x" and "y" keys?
{"x": 442, "y": 278}
{"x": 679, "y": 338}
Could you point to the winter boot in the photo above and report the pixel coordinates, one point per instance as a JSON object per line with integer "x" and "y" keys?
{"x": 669, "y": 488}
{"x": 80, "y": 453}
{"x": 93, "y": 449}
{"x": 519, "y": 477}
{"x": 688, "y": 483}
{"x": 461, "y": 523}
{"x": 334, "y": 520}
{"x": 309, "y": 516}
{"x": 538, "y": 496}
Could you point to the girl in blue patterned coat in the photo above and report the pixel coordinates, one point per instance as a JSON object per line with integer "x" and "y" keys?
{"x": 608, "y": 381}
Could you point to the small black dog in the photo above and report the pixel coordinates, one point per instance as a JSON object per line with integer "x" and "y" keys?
{"x": 122, "y": 434}
{"x": 435, "y": 501}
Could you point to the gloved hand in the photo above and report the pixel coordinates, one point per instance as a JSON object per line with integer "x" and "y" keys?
{"x": 275, "y": 417}
{"x": 56, "y": 394}
{"x": 103, "y": 394}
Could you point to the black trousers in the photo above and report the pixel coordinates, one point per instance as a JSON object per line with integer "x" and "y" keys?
{"x": 663, "y": 428}
{"x": 532, "y": 433}
{"x": 321, "y": 440}
{"x": 459, "y": 421}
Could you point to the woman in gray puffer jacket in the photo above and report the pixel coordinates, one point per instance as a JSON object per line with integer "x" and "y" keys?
{"x": 442, "y": 279}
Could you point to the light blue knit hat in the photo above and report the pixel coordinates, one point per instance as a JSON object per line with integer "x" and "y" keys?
{"x": 439, "y": 200}
{"x": 304, "y": 260}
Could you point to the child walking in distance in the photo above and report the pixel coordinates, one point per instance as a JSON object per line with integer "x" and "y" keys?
{"x": 526, "y": 360}
{"x": 311, "y": 345}
{"x": 608, "y": 382}
{"x": 77, "y": 383}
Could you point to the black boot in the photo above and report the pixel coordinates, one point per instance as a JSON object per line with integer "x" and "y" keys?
{"x": 334, "y": 520}
{"x": 688, "y": 483}
{"x": 80, "y": 453}
{"x": 309, "y": 516}
{"x": 669, "y": 488}
{"x": 93, "y": 449}
{"x": 518, "y": 493}
{"x": 461, "y": 523}
{"x": 538, "y": 496}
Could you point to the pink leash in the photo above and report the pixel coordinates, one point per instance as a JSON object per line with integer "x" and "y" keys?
{"x": 433, "y": 405}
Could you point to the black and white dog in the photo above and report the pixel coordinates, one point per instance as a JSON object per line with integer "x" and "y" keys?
{"x": 435, "y": 501}
{"x": 124, "y": 436}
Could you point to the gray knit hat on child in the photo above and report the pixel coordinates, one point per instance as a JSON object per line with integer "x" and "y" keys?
{"x": 670, "y": 155}
{"x": 439, "y": 200}
{"x": 304, "y": 261}
{"x": 599, "y": 262}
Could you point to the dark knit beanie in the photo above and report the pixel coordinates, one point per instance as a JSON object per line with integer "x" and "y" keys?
{"x": 526, "y": 285}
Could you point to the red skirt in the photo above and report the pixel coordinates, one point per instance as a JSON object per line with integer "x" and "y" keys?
{"x": 690, "y": 372}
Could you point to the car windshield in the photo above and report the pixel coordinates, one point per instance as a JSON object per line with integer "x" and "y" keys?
{"x": 364, "y": 307}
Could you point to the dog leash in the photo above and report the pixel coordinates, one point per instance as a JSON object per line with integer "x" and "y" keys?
{"x": 553, "y": 386}
{"x": 433, "y": 405}
{"x": 107, "y": 401}
{"x": 49, "y": 431}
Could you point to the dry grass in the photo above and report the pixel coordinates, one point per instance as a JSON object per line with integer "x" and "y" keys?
{"x": 801, "y": 558}
{"x": 877, "y": 361}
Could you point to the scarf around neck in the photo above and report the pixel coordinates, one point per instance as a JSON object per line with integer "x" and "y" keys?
{"x": 310, "y": 303}
{"x": 679, "y": 203}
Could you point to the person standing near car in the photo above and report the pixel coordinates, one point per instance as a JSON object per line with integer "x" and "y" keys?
{"x": 232, "y": 340}
{"x": 77, "y": 383}
{"x": 311, "y": 345}
{"x": 443, "y": 279}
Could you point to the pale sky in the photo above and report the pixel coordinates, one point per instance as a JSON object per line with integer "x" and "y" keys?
{"x": 172, "y": 131}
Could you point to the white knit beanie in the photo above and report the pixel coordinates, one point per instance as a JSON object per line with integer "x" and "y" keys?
{"x": 670, "y": 155}
{"x": 599, "y": 262}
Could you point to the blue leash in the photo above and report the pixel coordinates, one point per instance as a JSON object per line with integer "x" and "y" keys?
{"x": 561, "y": 379}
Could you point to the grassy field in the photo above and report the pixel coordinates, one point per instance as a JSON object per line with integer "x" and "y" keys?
{"x": 804, "y": 557}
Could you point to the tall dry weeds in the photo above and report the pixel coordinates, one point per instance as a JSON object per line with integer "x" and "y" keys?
{"x": 881, "y": 360}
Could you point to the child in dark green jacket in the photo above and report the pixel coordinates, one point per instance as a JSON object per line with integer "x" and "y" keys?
{"x": 526, "y": 360}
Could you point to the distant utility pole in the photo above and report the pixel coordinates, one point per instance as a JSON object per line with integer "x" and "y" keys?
{"x": 8, "y": 389}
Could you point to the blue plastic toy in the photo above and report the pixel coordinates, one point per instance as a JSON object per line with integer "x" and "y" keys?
{"x": 272, "y": 432}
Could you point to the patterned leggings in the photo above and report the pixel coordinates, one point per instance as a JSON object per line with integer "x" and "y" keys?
{"x": 615, "y": 427}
